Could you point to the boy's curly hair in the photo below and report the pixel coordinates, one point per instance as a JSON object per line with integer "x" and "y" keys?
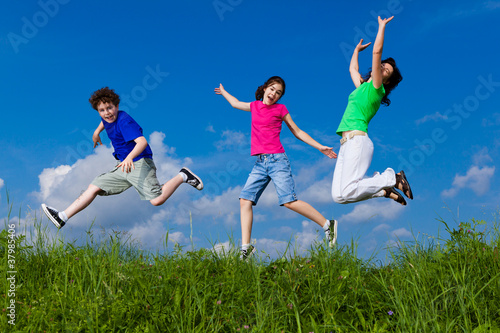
{"x": 104, "y": 95}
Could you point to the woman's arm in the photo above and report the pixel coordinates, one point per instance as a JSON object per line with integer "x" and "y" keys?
{"x": 304, "y": 137}
{"x": 235, "y": 103}
{"x": 354, "y": 65}
{"x": 377, "y": 52}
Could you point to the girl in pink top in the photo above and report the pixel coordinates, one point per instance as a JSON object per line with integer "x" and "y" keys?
{"x": 272, "y": 162}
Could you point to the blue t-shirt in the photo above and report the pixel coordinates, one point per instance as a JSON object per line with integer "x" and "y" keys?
{"x": 122, "y": 134}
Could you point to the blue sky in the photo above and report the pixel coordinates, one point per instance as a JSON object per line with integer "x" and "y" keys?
{"x": 165, "y": 58}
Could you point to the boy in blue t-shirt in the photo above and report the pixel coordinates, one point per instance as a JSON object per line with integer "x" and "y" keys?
{"x": 136, "y": 167}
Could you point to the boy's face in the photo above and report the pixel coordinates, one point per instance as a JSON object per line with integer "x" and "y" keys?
{"x": 108, "y": 111}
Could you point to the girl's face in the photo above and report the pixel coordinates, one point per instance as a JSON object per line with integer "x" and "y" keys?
{"x": 387, "y": 71}
{"x": 272, "y": 93}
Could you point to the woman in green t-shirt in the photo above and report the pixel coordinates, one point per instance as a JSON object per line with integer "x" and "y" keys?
{"x": 356, "y": 151}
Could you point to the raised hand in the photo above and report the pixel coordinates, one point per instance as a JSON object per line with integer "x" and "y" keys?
{"x": 219, "y": 90}
{"x": 360, "y": 47}
{"x": 384, "y": 21}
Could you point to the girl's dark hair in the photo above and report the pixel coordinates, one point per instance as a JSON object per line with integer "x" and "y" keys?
{"x": 104, "y": 95}
{"x": 393, "y": 80}
{"x": 259, "y": 94}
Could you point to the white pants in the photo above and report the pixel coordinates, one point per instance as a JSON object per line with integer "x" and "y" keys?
{"x": 349, "y": 182}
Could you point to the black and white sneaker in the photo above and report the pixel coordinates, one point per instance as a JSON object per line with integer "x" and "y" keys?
{"x": 192, "y": 179}
{"x": 331, "y": 233}
{"x": 245, "y": 254}
{"x": 53, "y": 215}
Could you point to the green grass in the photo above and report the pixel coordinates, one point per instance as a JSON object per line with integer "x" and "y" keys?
{"x": 431, "y": 285}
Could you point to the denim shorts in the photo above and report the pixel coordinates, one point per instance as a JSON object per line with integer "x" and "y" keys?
{"x": 142, "y": 178}
{"x": 275, "y": 167}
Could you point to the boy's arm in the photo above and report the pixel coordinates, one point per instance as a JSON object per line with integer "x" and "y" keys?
{"x": 235, "y": 103}
{"x": 128, "y": 163}
{"x": 304, "y": 137}
{"x": 95, "y": 137}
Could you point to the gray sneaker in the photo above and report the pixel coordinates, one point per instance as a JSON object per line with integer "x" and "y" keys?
{"x": 192, "y": 179}
{"x": 245, "y": 254}
{"x": 53, "y": 216}
{"x": 331, "y": 233}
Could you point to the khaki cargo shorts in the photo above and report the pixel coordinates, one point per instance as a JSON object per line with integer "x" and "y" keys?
{"x": 142, "y": 178}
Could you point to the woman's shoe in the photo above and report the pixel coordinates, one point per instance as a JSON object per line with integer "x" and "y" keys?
{"x": 403, "y": 185}
{"x": 399, "y": 199}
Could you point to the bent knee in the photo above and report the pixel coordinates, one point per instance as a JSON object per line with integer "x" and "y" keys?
{"x": 156, "y": 202}
{"x": 338, "y": 198}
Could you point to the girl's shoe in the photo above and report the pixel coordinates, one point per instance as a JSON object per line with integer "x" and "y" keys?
{"x": 331, "y": 233}
{"x": 247, "y": 253}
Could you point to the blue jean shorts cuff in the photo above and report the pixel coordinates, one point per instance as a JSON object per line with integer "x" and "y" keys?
{"x": 249, "y": 197}
{"x": 287, "y": 198}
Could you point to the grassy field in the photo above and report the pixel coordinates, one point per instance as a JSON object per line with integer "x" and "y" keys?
{"x": 433, "y": 285}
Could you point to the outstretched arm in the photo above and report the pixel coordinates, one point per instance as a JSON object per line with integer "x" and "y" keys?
{"x": 95, "y": 137}
{"x": 304, "y": 137}
{"x": 235, "y": 103}
{"x": 377, "y": 52}
{"x": 354, "y": 65}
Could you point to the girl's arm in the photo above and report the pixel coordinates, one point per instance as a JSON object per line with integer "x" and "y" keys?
{"x": 95, "y": 137}
{"x": 304, "y": 137}
{"x": 377, "y": 52}
{"x": 354, "y": 65}
{"x": 128, "y": 163}
{"x": 235, "y": 103}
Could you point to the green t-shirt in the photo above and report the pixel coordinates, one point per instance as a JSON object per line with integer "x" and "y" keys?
{"x": 363, "y": 104}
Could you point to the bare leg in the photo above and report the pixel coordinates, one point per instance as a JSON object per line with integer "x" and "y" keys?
{"x": 167, "y": 190}
{"x": 306, "y": 210}
{"x": 246, "y": 214}
{"x": 83, "y": 201}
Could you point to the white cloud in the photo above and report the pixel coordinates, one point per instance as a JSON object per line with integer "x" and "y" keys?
{"x": 491, "y": 5}
{"x": 382, "y": 228}
{"x": 61, "y": 185}
{"x": 431, "y": 117}
{"x": 319, "y": 192}
{"x": 210, "y": 128}
{"x": 232, "y": 140}
{"x": 476, "y": 179}
{"x": 51, "y": 178}
{"x": 401, "y": 233}
{"x": 364, "y": 212}
{"x": 482, "y": 157}
{"x": 494, "y": 120}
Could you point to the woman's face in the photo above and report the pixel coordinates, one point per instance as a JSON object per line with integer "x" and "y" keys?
{"x": 387, "y": 71}
{"x": 272, "y": 93}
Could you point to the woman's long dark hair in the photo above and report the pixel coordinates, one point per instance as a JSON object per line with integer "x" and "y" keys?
{"x": 393, "y": 80}
{"x": 259, "y": 94}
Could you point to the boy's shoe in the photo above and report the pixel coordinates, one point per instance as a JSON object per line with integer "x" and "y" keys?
{"x": 245, "y": 254}
{"x": 331, "y": 233}
{"x": 53, "y": 215}
{"x": 192, "y": 179}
